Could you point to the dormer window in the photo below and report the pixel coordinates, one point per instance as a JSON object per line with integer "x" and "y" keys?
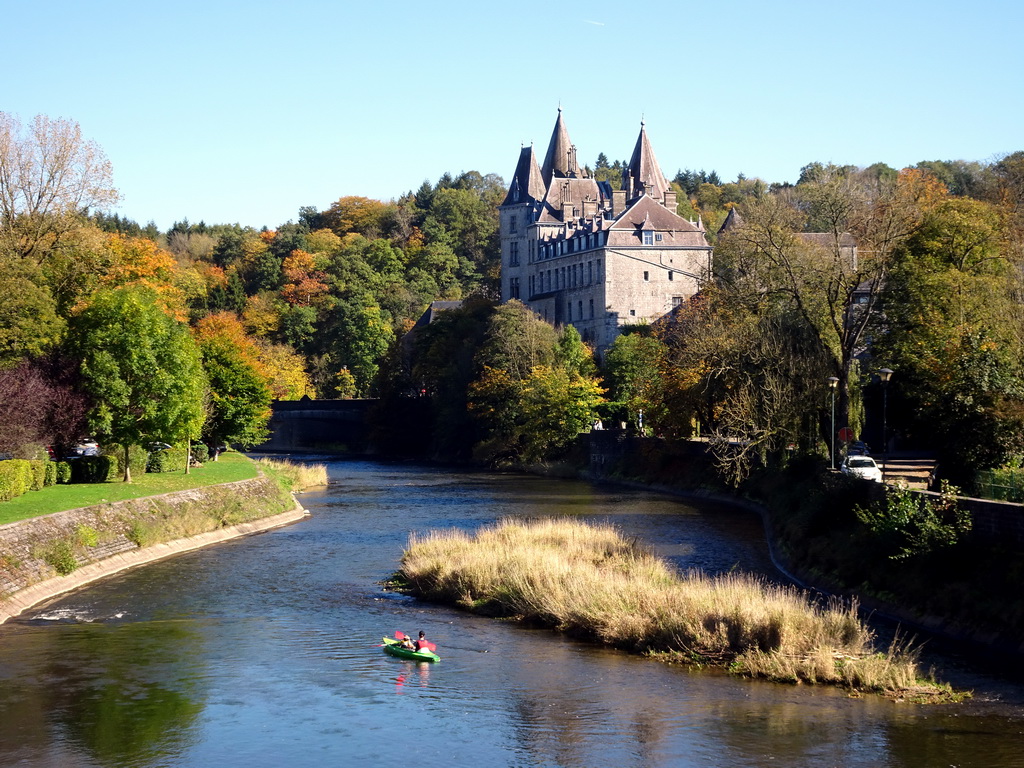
{"x": 648, "y": 237}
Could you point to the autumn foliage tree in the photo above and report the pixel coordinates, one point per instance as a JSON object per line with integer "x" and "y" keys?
{"x": 238, "y": 409}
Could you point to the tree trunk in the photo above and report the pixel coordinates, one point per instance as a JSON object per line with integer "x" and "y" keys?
{"x": 188, "y": 455}
{"x": 127, "y": 466}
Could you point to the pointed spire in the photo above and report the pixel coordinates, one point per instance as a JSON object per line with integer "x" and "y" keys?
{"x": 560, "y": 160}
{"x": 527, "y": 183}
{"x": 643, "y": 174}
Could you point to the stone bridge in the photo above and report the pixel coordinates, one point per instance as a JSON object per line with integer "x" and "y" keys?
{"x": 319, "y": 425}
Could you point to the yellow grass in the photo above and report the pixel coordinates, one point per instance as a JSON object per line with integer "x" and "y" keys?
{"x": 590, "y": 581}
{"x": 298, "y": 476}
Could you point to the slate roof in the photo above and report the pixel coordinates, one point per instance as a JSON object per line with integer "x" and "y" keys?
{"x": 560, "y": 160}
{"x": 643, "y": 172}
{"x": 527, "y": 182}
{"x": 658, "y": 217}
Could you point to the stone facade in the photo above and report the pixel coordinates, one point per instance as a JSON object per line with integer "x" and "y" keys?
{"x": 578, "y": 252}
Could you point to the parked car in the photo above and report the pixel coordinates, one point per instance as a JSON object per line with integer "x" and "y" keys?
{"x": 85, "y": 447}
{"x": 858, "y": 448}
{"x": 157, "y": 445}
{"x": 863, "y": 467}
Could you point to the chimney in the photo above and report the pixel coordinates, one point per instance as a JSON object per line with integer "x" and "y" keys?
{"x": 618, "y": 202}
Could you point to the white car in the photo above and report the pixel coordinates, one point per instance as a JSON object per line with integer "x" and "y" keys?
{"x": 863, "y": 467}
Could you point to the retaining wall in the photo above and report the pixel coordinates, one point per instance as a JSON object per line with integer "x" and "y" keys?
{"x": 45, "y": 556}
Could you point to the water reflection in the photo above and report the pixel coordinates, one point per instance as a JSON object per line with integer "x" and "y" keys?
{"x": 117, "y": 694}
{"x": 265, "y": 652}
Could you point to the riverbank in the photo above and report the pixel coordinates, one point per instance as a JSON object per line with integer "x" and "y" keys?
{"x": 45, "y": 556}
{"x": 964, "y": 590}
{"x": 588, "y": 581}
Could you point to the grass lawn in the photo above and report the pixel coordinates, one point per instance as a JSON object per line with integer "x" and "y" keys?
{"x": 57, "y": 498}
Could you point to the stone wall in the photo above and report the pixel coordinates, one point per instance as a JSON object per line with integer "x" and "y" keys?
{"x": 47, "y": 555}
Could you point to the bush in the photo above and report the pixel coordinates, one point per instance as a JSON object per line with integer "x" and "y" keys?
{"x": 169, "y": 460}
{"x": 200, "y": 452}
{"x": 51, "y": 473}
{"x": 38, "y": 470}
{"x": 93, "y": 469}
{"x": 137, "y": 457}
{"x": 63, "y": 472}
{"x": 15, "y": 478}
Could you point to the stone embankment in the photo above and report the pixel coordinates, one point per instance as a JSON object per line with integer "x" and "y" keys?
{"x": 45, "y": 556}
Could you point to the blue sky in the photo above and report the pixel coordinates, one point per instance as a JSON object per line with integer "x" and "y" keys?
{"x": 246, "y": 111}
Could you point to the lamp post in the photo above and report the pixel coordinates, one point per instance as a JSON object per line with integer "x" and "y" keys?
{"x": 885, "y": 374}
{"x": 833, "y": 384}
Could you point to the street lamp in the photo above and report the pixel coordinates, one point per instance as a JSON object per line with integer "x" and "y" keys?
{"x": 833, "y": 384}
{"x": 885, "y": 374}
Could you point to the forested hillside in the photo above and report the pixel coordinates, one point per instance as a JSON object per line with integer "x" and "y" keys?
{"x": 93, "y": 306}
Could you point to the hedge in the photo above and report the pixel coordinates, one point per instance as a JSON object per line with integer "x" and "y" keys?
{"x": 38, "y": 469}
{"x": 94, "y": 469}
{"x": 16, "y": 478}
{"x": 137, "y": 457}
{"x": 170, "y": 460}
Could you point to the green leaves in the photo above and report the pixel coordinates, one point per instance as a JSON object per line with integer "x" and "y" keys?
{"x": 140, "y": 366}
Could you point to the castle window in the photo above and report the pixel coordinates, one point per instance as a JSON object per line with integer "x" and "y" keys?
{"x": 513, "y": 223}
{"x": 671, "y": 275}
{"x": 677, "y": 301}
{"x": 648, "y": 238}
{"x": 513, "y": 288}
{"x": 513, "y": 254}
{"x": 590, "y": 272}
{"x": 657, "y": 236}
{"x": 533, "y": 285}
{"x": 580, "y": 317}
{"x": 647, "y": 276}
{"x": 632, "y": 313}
{"x": 591, "y": 309}
{"x": 568, "y": 311}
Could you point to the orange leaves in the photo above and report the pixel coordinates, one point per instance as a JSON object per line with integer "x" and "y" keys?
{"x": 141, "y": 262}
{"x": 304, "y": 283}
{"x": 920, "y": 187}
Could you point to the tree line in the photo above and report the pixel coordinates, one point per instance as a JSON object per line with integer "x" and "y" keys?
{"x": 116, "y": 328}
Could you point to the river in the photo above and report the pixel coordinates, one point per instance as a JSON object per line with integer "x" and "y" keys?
{"x": 263, "y": 652}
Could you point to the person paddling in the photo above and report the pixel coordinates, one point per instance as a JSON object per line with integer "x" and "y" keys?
{"x": 421, "y": 643}
{"x": 407, "y": 642}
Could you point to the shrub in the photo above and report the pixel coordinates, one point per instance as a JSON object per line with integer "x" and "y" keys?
{"x": 137, "y": 457}
{"x": 169, "y": 460}
{"x": 88, "y": 536}
{"x": 200, "y": 452}
{"x": 15, "y": 478}
{"x": 60, "y": 556}
{"x": 51, "y": 473}
{"x": 38, "y": 471}
{"x": 63, "y": 472}
{"x": 94, "y": 469}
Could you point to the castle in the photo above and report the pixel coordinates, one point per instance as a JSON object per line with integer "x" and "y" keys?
{"x": 578, "y": 252}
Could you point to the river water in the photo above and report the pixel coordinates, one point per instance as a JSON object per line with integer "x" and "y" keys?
{"x": 262, "y": 652}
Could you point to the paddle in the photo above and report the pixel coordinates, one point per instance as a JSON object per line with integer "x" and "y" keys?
{"x": 426, "y": 643}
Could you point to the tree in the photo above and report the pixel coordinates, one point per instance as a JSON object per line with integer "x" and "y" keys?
{"x": 239, "y": 401}
{"x": 140, "y": 366}
{"x": 635, "y": 371}
{"x": 29, "y": 325}
{"x": 49, "y": 176}
{"x": 536, "y": 391}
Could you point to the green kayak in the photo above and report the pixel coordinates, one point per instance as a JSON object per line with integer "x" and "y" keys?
{"x": 394, "y": 647}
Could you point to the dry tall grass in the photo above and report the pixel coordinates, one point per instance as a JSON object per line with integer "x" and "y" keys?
{"x": 299, "y": 476}
{"x": 590, "y": 581}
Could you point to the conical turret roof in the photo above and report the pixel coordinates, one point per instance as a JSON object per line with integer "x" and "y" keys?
{"x": 560, "y": 160}
{"x": 643, "y": 174}
{"x": 527, "y": 182}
